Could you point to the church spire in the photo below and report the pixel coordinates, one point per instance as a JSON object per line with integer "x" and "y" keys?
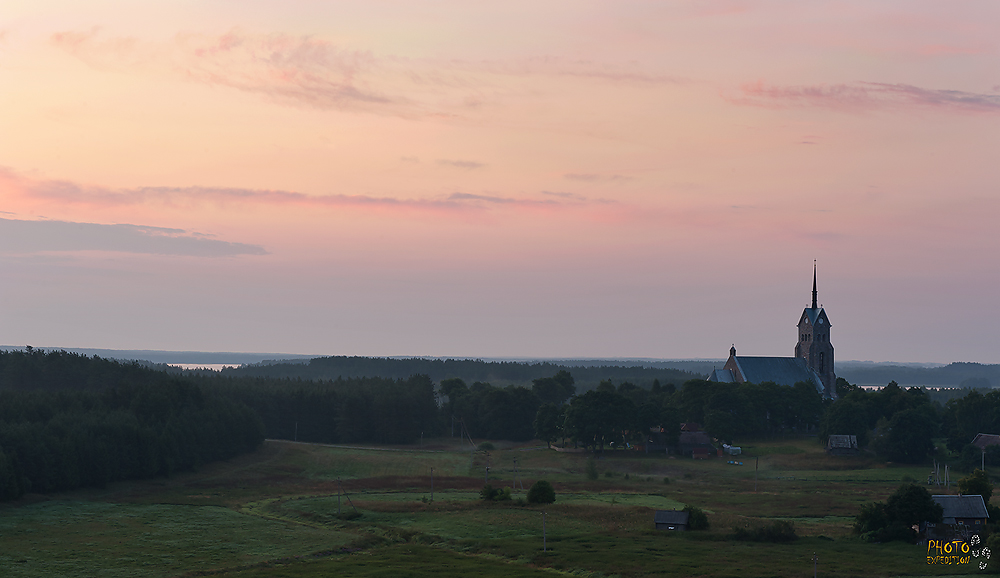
{"x": 814, "y": 284}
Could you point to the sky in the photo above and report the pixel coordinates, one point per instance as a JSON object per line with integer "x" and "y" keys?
{"x": 501, "y": 179}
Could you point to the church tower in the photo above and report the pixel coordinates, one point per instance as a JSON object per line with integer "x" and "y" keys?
{"x": 814, "y": 343}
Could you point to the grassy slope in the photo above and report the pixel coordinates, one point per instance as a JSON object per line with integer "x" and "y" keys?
{"x": 278, "y": 508}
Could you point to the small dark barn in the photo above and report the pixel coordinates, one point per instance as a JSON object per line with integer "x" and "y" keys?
{"x": 671, "y": 520}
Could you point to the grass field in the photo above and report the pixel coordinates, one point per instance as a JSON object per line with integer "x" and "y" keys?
{"x": 275, "y": 513}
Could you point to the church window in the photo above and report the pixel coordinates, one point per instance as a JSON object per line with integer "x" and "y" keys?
{"x": 821, "y": 355}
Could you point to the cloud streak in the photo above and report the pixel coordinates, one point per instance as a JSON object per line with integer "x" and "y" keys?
{"x": 596, "y": 178}
{"x": 318, "y": 73}
{"x": 468, "y": 165}
{"x": 301, "y": 70}
{"x": 866, "y": 96}
{"x": 19, "y": 236}
{"x": 66, "y": 193}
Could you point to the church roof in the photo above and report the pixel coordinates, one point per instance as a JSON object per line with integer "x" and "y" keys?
{"x": 780, "y": 370}
{"x": 722, "y": 375}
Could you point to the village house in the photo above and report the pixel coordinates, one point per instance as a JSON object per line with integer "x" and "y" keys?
{"x": 963, "y": 515}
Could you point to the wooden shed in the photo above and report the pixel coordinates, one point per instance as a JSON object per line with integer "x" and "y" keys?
{"x": 672, "y": 520}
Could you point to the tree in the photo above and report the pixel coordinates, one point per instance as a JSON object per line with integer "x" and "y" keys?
{"x": 556, "y": 389}
{"x": 844, "y": 387}
{"x": 598, "y": 417}
{"x": 908, "y": 436}
{"x": 547, "y": 423}
{"x": 908, "y": 506}
{"x": 697, "y": 520}
{"x": 541, "y": 492}
{"x": 976, "y": 483}
{"x": 847, "y": 416}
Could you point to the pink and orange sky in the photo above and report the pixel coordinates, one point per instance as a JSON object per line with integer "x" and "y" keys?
{"x": 522, "y": 179}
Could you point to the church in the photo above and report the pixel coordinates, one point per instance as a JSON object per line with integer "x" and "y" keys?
{"x": 812, "y": 363}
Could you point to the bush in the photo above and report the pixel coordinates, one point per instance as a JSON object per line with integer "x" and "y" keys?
{"x": 486, "y": 447}
{"x": 491, "y": 494}
{"x": 488, "y": 493}
{"x": 591, "y": 469}
{"x": 697, "y": 520}
{"x": 976, "y": 483}
{"x": 541, "y": 492}
{"x": 777, "y": 531}
{"x": 893, "y": 520}
{"x": 666, "y": 480}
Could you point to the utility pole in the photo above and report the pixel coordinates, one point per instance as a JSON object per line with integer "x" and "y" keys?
{"x": 432, "y": 484}
{"x": 341, "y": 491}
{"x": 815, "y": 561}
{"x": 756, "y": 466}
{"x": 544, "y": 547}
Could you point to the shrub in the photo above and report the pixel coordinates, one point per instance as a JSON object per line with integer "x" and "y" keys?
{"x": 541, "y": 492}
{"x": 491, "y": 494}
{"x": 976, "y": 483}
{"x": 776, "y": 531}
{"x": 697, "y": 520}
{"x": 893, "y": 520}
{"x": 666, "y": 480}
{"x": 609, "y": 474}
{"x": 486, "y": 447}
{"x": 591, "y": 469}
{"x": 488, "y": 493}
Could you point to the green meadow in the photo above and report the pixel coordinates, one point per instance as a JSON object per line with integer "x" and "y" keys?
{"x": 275, "y": 513}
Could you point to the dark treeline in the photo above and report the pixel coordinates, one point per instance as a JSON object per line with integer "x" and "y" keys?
{"x": 469, "y": 370}
{"x": 900, "y": 424}
{"x": 34, "y": 369}
{"x": 625, "y": 414}
{"x": 378, "y": 410}
{"x": 68, "y": 421}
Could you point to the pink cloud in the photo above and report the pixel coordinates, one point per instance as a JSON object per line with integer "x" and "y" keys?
{"x": 67, "y": 193}
{"x": 296, "y": 69}
{"x": 866, "y": 96}
{"x": 318, "y": 73}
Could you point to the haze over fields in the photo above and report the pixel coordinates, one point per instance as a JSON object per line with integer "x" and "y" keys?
{"x": 515, "y": 179}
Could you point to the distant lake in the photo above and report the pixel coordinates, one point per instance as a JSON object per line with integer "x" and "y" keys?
{"x": 212, "y": 366}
